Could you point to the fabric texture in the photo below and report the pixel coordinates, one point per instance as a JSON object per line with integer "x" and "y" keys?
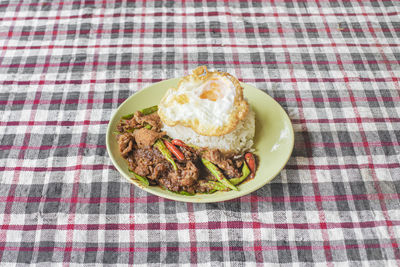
{"x": 65, "y": 66}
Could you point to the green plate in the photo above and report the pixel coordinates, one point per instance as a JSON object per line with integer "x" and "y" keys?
{"x": 274, "y": 140}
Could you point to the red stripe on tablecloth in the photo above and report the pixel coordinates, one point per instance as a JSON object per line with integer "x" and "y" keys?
{"x": 294, "y": 121}
{"x": 246, "y": 80}
{"x": 390, "y": 230}
{"x": 120, "y": 100}
{"x": 339, "y": 99}
{"x": 299, "y": 145}
{"x": 196, "y": 45}
{"x": 11, "y": 192}
{"x": 131, "y": 227}
{"x": 194, "y": 30}
{"x": 350, "y": 144}
{"x": 62, "y": 101}
{"x": 199, "y": 225}
{"x": 196, "y": 14}
{"x": 347, "y": 120}
{"x": 178, "y": 30}
{"x": 184, "y": 37}
{"x": 141, "y": 41}
{"x": 132, "y": 214}
{"x": 75, "y": 188}
{"x": 314, "y": 178}
{"x": 201, "y": 249}
{"x": 48, "y": 123}
{"x": 192, "y": 233}
{"x": 185, "y": 62}
{"x": 51, "y": 147}
{"x": 109, "y": 2}
{"x": 254, "y": 198}
{"x": 365, "y": 140}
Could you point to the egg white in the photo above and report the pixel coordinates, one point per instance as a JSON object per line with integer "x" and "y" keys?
{"x": 211, "y": 103}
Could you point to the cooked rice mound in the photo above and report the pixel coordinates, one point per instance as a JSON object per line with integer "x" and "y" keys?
{"x": 239, "y": 140}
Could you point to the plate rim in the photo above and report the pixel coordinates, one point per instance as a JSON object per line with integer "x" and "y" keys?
{"x": 192, "y": 199}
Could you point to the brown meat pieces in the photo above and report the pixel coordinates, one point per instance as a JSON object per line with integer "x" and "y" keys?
{"x": 171, "y": 181}
{"x": 143, "y": 159}
{"x": 145, "y": 138}
{"x": 185, "y": 178}
{"x": 152, "y": 119}
{"x": 123, "y": 126}
{"x": 125, "y": 142}
{"x": 132, "y": 123}
{"x": 189, "y": 174}
{"x": 150, "y": 163}
{"x": 189, "y": 153}
{"x": 216, "y": 157}
{"x": 158, "y": 171}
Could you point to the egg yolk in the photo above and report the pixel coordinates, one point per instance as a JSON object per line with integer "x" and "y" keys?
{"x": 211, "y": 92}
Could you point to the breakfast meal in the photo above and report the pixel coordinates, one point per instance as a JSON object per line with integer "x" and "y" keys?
{"x": 198, "y": 139}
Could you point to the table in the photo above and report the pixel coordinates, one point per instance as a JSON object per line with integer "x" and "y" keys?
{"x": 67, "y": 65}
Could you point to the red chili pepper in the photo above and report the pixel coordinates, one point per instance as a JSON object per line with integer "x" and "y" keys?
{"x": 178, "y": 142}
{"x": 251, "y": 162}
{"x": 174, "y": 150}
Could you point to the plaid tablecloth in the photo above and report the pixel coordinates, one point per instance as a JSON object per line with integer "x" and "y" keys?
{"x": 66, "y": 65}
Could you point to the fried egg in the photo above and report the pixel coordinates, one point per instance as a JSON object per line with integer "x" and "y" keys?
{"x": 211, "y": 103}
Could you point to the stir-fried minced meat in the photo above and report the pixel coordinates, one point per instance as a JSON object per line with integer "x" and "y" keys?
{"x": 189, "y": 174}
{"x": 125, "y": 142}
{"x": 159, "y": 170}
{"x": 146, "y": 138}
{"x": 152, "y": 119}
{"x": 136, "y": 144}
{"x": 128, "y": 125}
{"x": 133, "y": 124}
{"x": 226, "y": 164}
{"x": 189, "y": 153}
{"x": 146, "y": 160}
{"x": 171, "y": 181}
{"x": 131, "y": 163}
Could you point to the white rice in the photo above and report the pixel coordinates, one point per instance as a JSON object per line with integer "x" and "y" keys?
{"x": 239, "y": 140}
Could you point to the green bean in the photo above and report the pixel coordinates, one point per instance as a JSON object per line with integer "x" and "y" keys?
{"x": 165, "y": 152}
{"x": 128, "y": 117}
{"x": 149, "y": 110}
{"x": 145, "y": 111}
{"x": 235, "y": 181}
{"x": 182, "y": 192}
{"x": 218, "y": 174}
{"x": 245, "y": 174}
{"x": 217, "y": 186}
{"x": 140, "y": 178}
